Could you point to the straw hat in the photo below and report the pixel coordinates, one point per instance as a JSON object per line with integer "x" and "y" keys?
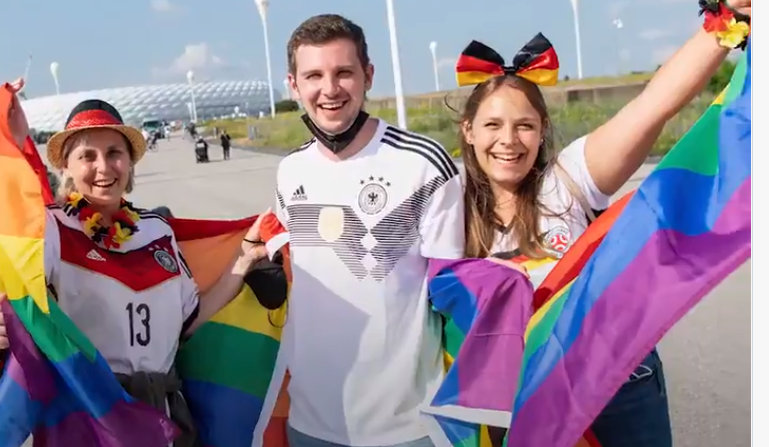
{"x": 94, "y": 114}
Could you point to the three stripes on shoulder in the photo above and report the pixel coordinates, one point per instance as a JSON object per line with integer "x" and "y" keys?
{"x": 424, "y": 146}
{"x": 428, "y": 148}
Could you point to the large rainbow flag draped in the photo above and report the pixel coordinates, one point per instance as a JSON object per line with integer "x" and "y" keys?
{"x": 227, "y": 366}
{"x": 666, "y": 247}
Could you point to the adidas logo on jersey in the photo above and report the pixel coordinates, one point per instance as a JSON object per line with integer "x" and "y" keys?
{"x": 299, "y": 194}
{"x": 95, "y": 256}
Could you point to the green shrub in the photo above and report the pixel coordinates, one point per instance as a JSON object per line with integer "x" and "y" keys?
{"x": 286, "y": 105}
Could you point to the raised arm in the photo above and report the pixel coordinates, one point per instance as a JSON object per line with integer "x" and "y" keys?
{"x": 617, "y": 149}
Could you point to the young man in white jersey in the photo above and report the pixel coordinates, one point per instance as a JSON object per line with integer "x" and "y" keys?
{"x": 366, "y": 205}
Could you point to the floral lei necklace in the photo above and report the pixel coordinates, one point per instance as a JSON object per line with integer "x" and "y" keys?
{"x": 123, "y": 222}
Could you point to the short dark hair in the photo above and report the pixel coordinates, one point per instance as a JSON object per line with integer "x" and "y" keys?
{"x": 324, "y": 28}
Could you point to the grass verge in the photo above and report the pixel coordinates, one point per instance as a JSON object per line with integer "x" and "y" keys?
{"x": 571, "y": 121}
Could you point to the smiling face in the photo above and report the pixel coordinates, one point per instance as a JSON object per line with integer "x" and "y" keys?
{"x": 99, "y": 163}
{"x": 331, "y": 81}
{"x": 506, "y": 135}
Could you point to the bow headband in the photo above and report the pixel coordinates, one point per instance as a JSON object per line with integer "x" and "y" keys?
{"x": 536, "y": 62}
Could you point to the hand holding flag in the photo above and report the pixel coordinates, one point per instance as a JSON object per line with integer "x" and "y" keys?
{"x": 252, "y": 247}
{"x": 17, "y": 120}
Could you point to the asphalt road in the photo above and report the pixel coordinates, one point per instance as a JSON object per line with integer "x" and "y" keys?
{"x": 706, "y": 356}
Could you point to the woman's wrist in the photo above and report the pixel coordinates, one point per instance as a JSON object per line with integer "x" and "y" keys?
{"x": 729, "y": 27}
{"x": 242, "y": 265}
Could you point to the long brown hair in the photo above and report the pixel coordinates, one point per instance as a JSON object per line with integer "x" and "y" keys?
{"x": 481, "y": 219}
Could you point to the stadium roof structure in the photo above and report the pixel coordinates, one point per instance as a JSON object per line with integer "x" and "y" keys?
{"x": 168, "y": 102}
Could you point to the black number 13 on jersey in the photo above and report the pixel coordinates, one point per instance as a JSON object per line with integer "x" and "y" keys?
{"x": 139, "y": 324}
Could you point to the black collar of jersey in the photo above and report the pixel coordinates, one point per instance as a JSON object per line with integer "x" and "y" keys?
{"x": 337, "y": 143}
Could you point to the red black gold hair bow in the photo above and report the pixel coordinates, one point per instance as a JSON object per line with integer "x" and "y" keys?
{"x": 536, "y": 62}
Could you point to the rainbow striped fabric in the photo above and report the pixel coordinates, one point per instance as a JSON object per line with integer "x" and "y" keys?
{"x": 667, "y": 247}
{"x": 227, "y": 366}
{"x": 486, "y": 309}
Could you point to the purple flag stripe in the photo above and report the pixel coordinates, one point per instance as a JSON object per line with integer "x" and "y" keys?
{"x": 663, "y": 288}
{"x": 121, "y": 427}
{"x": 490, "y": 358}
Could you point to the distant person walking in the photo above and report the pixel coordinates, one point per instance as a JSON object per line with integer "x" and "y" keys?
{"x": 192, "y": 131}
{"x": 225, "y": 139}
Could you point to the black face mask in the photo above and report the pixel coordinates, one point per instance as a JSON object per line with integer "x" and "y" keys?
{"x": 337, "y": 143}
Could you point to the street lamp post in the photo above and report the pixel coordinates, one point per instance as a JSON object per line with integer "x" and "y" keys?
{"x": 190, "y": 81}
{"x": 619, "y": 25}
{"x": 55, "y": 74}
{"x": 261, "y": 5}
{"x": 26, "y": 70}
{"x": 433, "y": 48}
{"x": 575, "y": 10}
{"x": 287, "y": 88}
{"x": 400, "y": 103}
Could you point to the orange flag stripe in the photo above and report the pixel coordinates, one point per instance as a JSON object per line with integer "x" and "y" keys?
{"x": 570, "y": 265}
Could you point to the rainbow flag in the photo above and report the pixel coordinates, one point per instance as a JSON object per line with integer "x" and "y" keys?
{"x": 55, "y": 384}
{"x": 486, "y": 309}
{"x": 228, "y": 365}
{"x": 666, "y": 248}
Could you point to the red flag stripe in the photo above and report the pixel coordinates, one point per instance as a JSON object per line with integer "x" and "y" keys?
{"x": 545, "y": 61}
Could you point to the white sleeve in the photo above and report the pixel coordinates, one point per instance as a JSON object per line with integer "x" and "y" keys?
{"x": 190, "y": 293}
{"x": 442, "y": 227}
{"x": 52, "y": 248}
{"x": 572, "y": 160}
{"x": 280, "y": 208}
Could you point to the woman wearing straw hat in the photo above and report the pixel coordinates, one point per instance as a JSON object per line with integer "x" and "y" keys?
{"x": 116, "y": 270}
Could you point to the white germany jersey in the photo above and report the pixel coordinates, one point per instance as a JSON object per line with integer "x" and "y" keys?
{"x": 362, "y": 346}
{"x": 133, "y": 302}
{"x": 564, "y": 217}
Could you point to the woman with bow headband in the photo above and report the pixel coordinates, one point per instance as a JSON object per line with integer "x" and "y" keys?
{"x": 526, "y": 198}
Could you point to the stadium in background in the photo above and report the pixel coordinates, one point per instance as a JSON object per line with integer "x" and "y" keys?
{"x": 167, "y": 102}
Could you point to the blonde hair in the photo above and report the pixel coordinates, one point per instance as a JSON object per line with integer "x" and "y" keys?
{"x": 67, "y": 184}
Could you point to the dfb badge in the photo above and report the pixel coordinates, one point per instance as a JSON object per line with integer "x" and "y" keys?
{"x": 166, "y": 261}
{"x": 373, "y": 196}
